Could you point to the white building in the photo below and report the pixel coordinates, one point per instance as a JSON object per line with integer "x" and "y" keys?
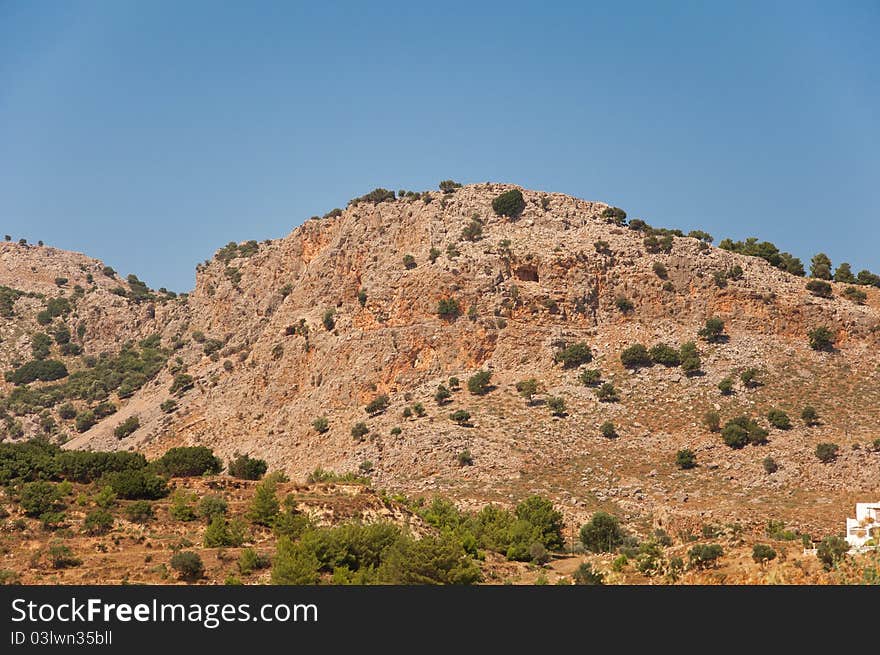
{"x": 865, "y": 527}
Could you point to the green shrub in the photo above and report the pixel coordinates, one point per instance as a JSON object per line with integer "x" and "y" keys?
{"x": 211, "y": 506}
{"x": 819, "y": 288}
{"x": 433, "y": 254}
{"x": 168, "y": 406}
{"x": 685, "y": 459}
{"x": 821, "y": 339}
{"x": 726, "y": 386}
{"x": 362, "y": 297}
{"x": 510, "y": 203}
{"x": 188, "y": 565}
{"x": 461, "y": 416}
{"x": 602, "y": 247}
{"x": 449, "y": 186}
{"x": 409, "y": 261}
{"x": 602, "y": 534}
{"x": 742, "y": 430}
{"x": 703, "y": 556}
{"x": 614, "y": 215}
{"x": 855, "y": 295}
{"x": 245, "y": 467}
{"x": 659, "y": 269}
{"x": 820, "y": 266}
{"x": 749, "y": 378}
{"x": 448, "y": 308}
{"x": 66, "y": 411}
{"x": 419, "y": 409}
{"x": 608, "y": 430}
{"x": 359, "y": 430}
{"x": 127, "y": 427}
{"x": 182, "y": 508}
{"x": 45, "y": 370}
{"x": 133, "y": 484}
{"x": 250, "y": 560}
{"x": 39, "y": 498}
{"x": 84, "y": 420}
{"x": 465, "y": 458}
{"x": 713, "y": 330}
{"x": 473, "y": 231}
{"x": 770, "y": 465}
{"x": 221, "y": 533}
{"x": 321, "y": 424}
{"x": 140, "y": 511}
{"x": 98, "y": 522}
{"x": 478, "y": 383}
{"x": 635, "y": 356}
{"x": 294, "y": 564}
{"x": 666, "y": 355}
{"x": 556, "y": 405}
{"x": 62, "y": 557}
{"x": 545, "y": 520}
{"x": 527, "y": 388}
{"x": 827, "y": 452}
{"x": 87, "y": 466}
{"x": 762, "y": 553}
{"x": 105, "y": 498}
{"x": 378, "y": 405}
{"x": 185, "y": 461}
{"x": 41, "y": 346}
{"x": 328, "y": 320}
{"x": 779, "y": 419}
{"x": 574, "y": 355}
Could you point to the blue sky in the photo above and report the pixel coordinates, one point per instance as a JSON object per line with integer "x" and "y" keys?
{"x": 148, "y": 134}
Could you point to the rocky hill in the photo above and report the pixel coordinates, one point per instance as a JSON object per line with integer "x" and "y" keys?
{"x": 386, "y": 300}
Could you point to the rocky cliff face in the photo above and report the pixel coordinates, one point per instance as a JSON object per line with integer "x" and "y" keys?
{"x": 325, "y": 320}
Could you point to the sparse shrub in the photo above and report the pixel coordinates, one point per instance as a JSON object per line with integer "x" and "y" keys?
{"x": 419, "y": 409}
{"x": 189, "y": 565}
{"x": 465, "y": 458}
{"x": 510, "y": 203}
{"x": 182, "y": 508}
{"x": 602, "y": 534}
{"x": 827, "y": 452}
{"x": 378, "y": 405}
{"x": 779, "y": 419}
{"x": 749, "y": 378}
{"x": 810, "y": 416}
{"x": 713, "y": 330}
{"x": 726, "y": 386}
{"x": 374, "y": 197}
{"x": 212, "y": 506}
{"x": 478, "y": 383}
{"x": 602, "y": 247}
{"x": 614, "y": 215}
{"x": 182, "y": 383}
{"x": 608, "y": 430}
{"x": 409, "y": 262}
{"x": 527, "y": 388}
{"x": 556, "y": 404}
{"x": 168, "y": 406}
{"x": 98, "y": 522}
{"x": 66, "y": 411}
{"x": 574, "y": 355}
{"x": 359, "y": 430}
{"x": 448, "y": 309}
{"x": 666, "y": 355}
{"x": 362, "y": 297}
{"x": 590, "y": 377}
{"x": 690, "y": 358}
{"x": 659, "y": 269}
{"x": 821, "y": 339}
{"x": 246, "y": 467}
{"x": 473, "y": 231}
{"x": 585, "y": 575}
{"x": 624, "y": 304}
{"x": 831, "y": 550}
{"x": 62, "y": 557}
{"x": 321, "y": 424}
{"x": 433, "y": 254}
{"x": 250, "y": 560}
{"x": 140, "y": 511}
{"x": 855, "y": 295}
{"x": 685, "y": 459}
{"x": 712, "y": 420}
{"x": 770, "y": 465}
{"x": 635, "y": 356}
{"x": 449, "y": 186}
{"x": 606, "y": 393}
{"x": 442, "y": 394}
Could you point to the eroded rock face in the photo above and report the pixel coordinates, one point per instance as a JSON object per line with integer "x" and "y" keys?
{"x": 297, "y": 342}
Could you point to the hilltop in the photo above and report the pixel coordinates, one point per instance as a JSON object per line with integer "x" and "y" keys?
{"x": 283, "y": 346}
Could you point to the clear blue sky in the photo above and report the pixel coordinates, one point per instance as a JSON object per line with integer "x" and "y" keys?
{"x": 148, "y": 134}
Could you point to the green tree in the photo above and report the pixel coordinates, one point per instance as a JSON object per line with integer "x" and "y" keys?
{"x": 294, "y": 564}
{"x": 573, "y": 355}
{"x": 703, "y": 556}
{"x": 264, "y": 506}
{"x": 844, "y": 274}
{"x": 602, "y": 534}
{"x": 246, "y": 467}
{"x": 831, "y": 550}
{"x": 820, "y": 266}
{"x": 635, "y": 356}
{"x": 478, "y": 383}
{"x": 545, "y": 518}
{"x": 763, "y": 553}
{"x": 585, "y": 575}
{"x": 666, "y": 355}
